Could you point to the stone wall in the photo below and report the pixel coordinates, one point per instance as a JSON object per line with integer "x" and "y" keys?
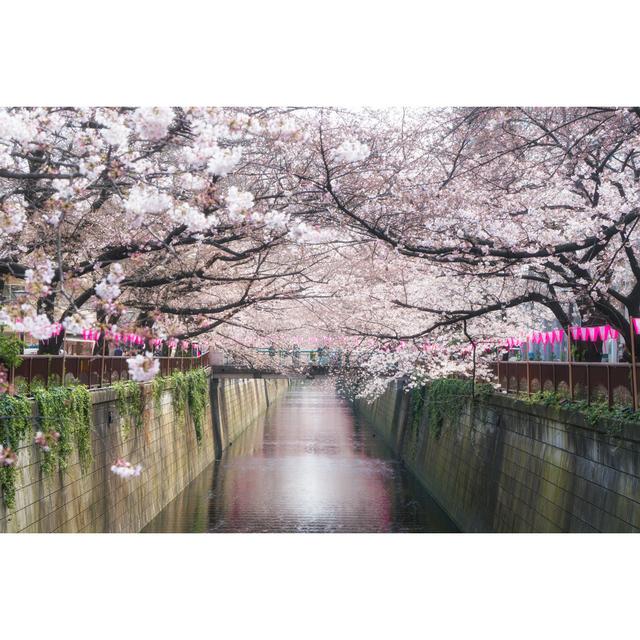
{"x": 165, "y": 446}
{"x": 240, "y": 401}
{"x": 506, "y": 466}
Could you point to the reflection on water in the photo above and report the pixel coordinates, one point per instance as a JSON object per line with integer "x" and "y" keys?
{"x": 308, "y": 465}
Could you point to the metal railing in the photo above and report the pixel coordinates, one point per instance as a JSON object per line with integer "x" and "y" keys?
{"x": 590, "y": 381}
{"x": 93, "y": 371}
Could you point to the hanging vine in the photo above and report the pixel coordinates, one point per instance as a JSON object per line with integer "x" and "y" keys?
{"x": 446, "y": 398}
{"x": 158, "y": 385}
{"x": 198, "y": 389}
{"x": 81, "y": 421}
{"x": 130, "y": 405}
{"x": 180, "y": 394}
{"x": 15, "y": 422}
{"x": 55, "y": 417}
{"x": 417, "y": 405}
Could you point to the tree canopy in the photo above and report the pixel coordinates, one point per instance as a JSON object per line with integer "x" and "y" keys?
{"x": 397, "y": 228}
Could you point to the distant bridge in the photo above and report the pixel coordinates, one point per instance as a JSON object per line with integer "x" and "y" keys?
{"x": 230, "y": 371}
{"x": 320, "y": 359}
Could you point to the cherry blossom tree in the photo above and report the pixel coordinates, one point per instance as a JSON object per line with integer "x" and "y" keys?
{"x": 124, "y": 212}
{"x": 538, "y": 204}
{"x": 414, "y": 232}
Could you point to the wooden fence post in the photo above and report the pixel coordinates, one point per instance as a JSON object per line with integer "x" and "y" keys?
{"x": 570, "y": 361}
{"x": 633, "y": 365}
{"x": 104, "y": 345}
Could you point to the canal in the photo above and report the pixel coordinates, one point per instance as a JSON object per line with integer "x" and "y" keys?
{"x": 309, "y": 464}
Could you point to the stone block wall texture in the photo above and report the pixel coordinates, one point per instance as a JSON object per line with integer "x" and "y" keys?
{"x": 241, "y": 401}
{"x": 506, "y": 466}
{"x": 165, "y": 446}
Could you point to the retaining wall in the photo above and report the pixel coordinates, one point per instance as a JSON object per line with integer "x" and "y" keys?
{"x": 506, "y": 466}
{"x": 165, "y": 446}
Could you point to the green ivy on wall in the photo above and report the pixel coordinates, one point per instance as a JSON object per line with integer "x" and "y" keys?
{"x": 55, "y": 416}
{"x": 198, "y": 390}
{"x": 417, "y": 404}
{"x": 612, "y": 419}
{"x": 190, "y": 389}
{"x": 15, "y": 423}
{"x": 441, "y": 399}
{"x": 10, "y": 350}
{"x": 158, "y": 386}
{"x": 445, "y": 400}
{"x": 130, "y": 405}
{"x": 180, "y": 393}
{"x": 67, "y": 411}
{"x": 81, "y": 422}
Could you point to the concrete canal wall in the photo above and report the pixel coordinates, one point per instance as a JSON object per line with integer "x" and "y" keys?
{"x": 507, "y": 466}
{"x": 165, "y": 445}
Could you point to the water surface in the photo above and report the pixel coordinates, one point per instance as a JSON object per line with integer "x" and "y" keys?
{"x": 309, "y": 464}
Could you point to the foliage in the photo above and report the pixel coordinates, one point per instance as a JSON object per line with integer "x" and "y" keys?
{"x": 612, "y": 419}
{"x": 81, "y": 421}
{"x": 198, "y": 390}
{"x": 62, "y": 410}
{"x": 180, "y": 393}
{"x": 130, "y": 405}
{"x": 417, "y": 404}
{"x": 10, "y": 349}
{"x": 190, "y": 389}
{"x": 158, "y": 386}
{"x": 15, "y": 421}
{"x": 484, "y": 391}
{"x": 445, "y": 399}
{"x": 55, "y": 416}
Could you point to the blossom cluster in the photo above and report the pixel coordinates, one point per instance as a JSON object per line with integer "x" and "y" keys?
{"x": 125, "y": 469}
{"x": 39, "y": 278}
{"x": 152, "y": 123}
{"x": 8, "y": 458}
{"x": 194, "y": 220}
{"x": 46, "y": 440}
{"x": 223, "y": 161}
{"x": 143, "y": 368}
{"x": 238, "y": 204}
{"x": 352, "y": 151}
{"x": 12, "y": 218}
{"x": 108, "y": 288}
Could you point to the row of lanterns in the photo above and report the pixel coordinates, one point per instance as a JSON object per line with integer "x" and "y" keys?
{"x": 135, "y": 339}
{"x": 585, "y": 334}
